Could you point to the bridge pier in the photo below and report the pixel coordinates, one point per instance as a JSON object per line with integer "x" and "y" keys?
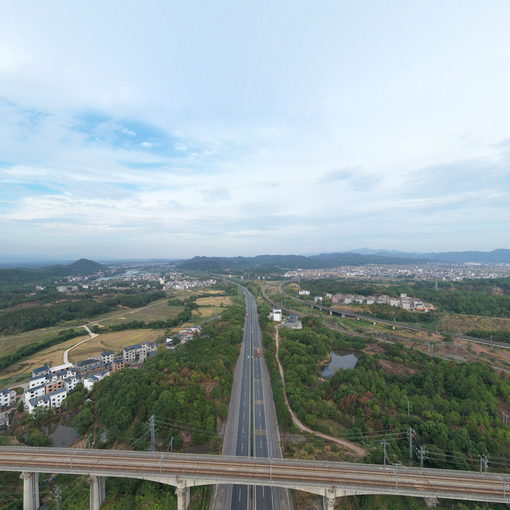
{"x": 183, "y": 497}
{"x": 30, "y": 490}
{"x": 97, "y": 491}
{"x": 330, "y": 499}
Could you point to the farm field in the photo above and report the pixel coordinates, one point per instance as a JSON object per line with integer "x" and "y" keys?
{"x": 52, "y": 355}
{"x": 113, "y": 342}
{"x": 214, "y": 301}
{"x": 159, "y": 310}
{"x": 11, "y": 343}
{"x": 463, "y": 323}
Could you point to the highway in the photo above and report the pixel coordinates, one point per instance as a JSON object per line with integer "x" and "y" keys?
{"x": 252, "y": 428}
{"x": 318, "y": 477}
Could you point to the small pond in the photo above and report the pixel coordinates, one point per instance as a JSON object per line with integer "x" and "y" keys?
{"x": 63, "y": 436}
{"x": 339, "y": 362}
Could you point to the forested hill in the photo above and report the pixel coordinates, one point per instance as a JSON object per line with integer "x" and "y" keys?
{"x": 80, "y": 267}
{"x": 499, "y": 256}
{"x": 19, "y": 276}
{"x": 288, "y": 261}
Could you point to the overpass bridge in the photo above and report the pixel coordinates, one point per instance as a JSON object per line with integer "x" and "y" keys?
{"x": 328, "y": 479}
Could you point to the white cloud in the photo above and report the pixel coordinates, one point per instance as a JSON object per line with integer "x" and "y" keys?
{"x": 264, "y": 135}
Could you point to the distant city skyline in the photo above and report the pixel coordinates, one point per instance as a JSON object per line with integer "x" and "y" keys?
{"x": 169, "y": 130}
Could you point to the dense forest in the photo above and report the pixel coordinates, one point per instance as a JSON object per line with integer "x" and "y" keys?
{"x": 489, "y": 297}
{"x": 455, "y": 409}
{"x": 41, "y": 316}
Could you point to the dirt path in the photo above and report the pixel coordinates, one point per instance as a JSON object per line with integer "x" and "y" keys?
{"x": 91, "y": 336}
{"x": 356, "y": 449}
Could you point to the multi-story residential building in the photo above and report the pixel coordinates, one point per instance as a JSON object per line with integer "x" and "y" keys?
{"x": 88, "y": 366}
{"x": 57, "y": 397}
{"x": 89, "y": 382}
{"x": 71, "y": 382}
{"x": 138, "y": 352}
{"x": 56, "y": 385}
{"x": 36, "y": 392}
{"x": 53, "y": 399}
{"x": 106, "y": 357}
{"x": 7, "y": 398}
{"x": 44, "y": 370}
{"x": 42, "y": 401}
{"x": 117, "y": 364}
{"x": 37, "y": 381}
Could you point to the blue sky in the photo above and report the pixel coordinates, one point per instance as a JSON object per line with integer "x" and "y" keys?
{"x": 173, "y": 129}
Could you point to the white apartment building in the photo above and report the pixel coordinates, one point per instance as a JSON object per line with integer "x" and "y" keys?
{"x": 138, "y": 352}
{"x": 7, "y": 398}
{"x": 106, "y": 357}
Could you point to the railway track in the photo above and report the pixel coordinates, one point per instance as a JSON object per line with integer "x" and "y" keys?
{"x": 206, "y": 469}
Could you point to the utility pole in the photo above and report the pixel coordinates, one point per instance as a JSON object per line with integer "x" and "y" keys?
{"x": 384, "y": 444}
{"x": 171, "y": 445}
{"x": 58, "y": 496}
{"x": 411, "y": 433}
{"x": 484, "y": 463}
{"x": 422, "y": 455}
{"x": 152, "y": 426}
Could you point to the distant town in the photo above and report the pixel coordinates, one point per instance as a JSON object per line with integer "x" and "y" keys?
{"x": 428, "y": 271}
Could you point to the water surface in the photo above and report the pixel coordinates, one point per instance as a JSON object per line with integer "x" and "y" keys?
{"x": 339, "y": 362}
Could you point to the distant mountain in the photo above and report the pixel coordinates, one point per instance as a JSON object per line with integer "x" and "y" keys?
{"x": 82, "y": 267}
{"x": 323, "y": 260}
{"x": 16, "y": 276}
{"x": 499, "y": 256}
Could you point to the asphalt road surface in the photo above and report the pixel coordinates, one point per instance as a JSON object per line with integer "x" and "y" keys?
{"x": 251, "y": 428}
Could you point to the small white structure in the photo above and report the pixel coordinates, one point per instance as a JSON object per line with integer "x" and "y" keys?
{"x": 89, "y": 382}
{"x": 304, "y": 292}
{"x": 277, "y": 314}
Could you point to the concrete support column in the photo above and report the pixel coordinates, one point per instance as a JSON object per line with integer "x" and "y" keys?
{"x": 97, "y": 491}
{"x": 183, "y": 497}
{"x": 30, "y": 490}
{"x": 330, "y": 499}
{"x": 431, "y": 502}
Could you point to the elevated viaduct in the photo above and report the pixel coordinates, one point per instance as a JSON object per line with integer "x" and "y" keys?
{"x": 328, "y": 479}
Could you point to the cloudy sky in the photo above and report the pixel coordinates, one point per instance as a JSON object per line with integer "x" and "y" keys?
{"x": 173, "y": 129}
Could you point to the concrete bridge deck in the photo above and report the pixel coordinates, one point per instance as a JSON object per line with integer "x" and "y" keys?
{"x": 329, "y": 479}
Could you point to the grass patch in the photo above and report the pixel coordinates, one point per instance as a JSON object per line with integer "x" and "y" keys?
{"x": 114, "y": 341}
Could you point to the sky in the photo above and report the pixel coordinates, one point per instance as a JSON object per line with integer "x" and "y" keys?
{"x": 172, "y": 129}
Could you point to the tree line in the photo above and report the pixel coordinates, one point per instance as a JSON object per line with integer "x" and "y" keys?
{"x": 39, "y": 316}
